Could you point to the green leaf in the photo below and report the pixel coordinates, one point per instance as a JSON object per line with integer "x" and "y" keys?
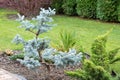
{"x": 113, "y": 53}
{"x": 115, "y": 60}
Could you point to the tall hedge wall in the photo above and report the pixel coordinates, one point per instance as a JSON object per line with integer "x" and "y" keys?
{"x": 87, "y": 8}
{"x": 69, "y": 7}
{"x": 107, "y": 10}
{"x": 118, "y": 9}
{"x": 57, "y": 4}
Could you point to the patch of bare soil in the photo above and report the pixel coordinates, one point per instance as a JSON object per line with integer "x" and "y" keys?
{"x": 41, "y": 73}
{"x": 12, "y": 16}
{"x": 15, "y": 16}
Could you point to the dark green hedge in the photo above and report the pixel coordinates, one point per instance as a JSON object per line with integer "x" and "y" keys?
{"x": 69, "y": 7}
{"x": 87, "y": 8}
{"x": 107, "y": 10}
{"x": 119, "y": 11}
{"x": 57, "y": 4}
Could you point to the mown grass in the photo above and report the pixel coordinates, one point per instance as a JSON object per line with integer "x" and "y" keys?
{"x": 86, "y": 31}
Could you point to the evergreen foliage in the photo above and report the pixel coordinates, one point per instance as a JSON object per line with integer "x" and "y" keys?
{"x": 35, "y": 52}
{"x": 62, "y": 59}
{"x": 100, "y": 56}
{"x": 17, "y": 56}
{"x": 118, "y": 8}
{"x": 89, "y": 71}
{"x": 69, "y": 7}
{"x": 112, "y": 55}
{"x": 30, "y": 63}
{"x": 98, "y": 67}
{"x": 57, "y": 4}
{"x": 107, "y": 10}
{"x": 86, "y": 8}
{"x": 32, "y": 48}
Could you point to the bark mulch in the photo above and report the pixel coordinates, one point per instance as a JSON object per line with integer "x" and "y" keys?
{"x": 41, "y": 74}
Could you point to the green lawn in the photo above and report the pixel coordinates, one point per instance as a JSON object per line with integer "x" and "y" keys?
{"x": 86, "y": 31}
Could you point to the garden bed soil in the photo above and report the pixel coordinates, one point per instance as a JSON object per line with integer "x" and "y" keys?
{"x": 15, "y": 17}
{"x": 12, "y": 16}
{"x": 41, "y": 73}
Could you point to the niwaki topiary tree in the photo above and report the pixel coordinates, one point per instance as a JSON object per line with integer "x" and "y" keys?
{"x": 37, "y": 51}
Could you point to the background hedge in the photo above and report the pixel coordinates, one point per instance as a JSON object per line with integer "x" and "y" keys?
{"x": 57, "y": 4}
{"x": 107, "y": 10}
{"x": 118, "y": 10}
{"x": 87, "y": 8}
{"x": 69, "y": 7}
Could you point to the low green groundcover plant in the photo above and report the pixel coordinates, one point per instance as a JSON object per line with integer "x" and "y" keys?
{"x": 17, "y": 56}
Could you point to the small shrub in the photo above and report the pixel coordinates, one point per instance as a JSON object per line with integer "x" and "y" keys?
{"x": 32, "y": 48}
{"x": 86, "y": 8}
{"x": 89, "y": 71}
{"x": 98, "y": 67}
{"x": 67, "y": 40}
{"x": 99, "y": 54}
{"x": 69, "y": 7}
{"x": 37, "y": 51}
{"x": 102, "y": 57}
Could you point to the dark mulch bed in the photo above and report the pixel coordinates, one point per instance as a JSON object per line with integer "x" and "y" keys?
{"x": 41, "y": 74}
